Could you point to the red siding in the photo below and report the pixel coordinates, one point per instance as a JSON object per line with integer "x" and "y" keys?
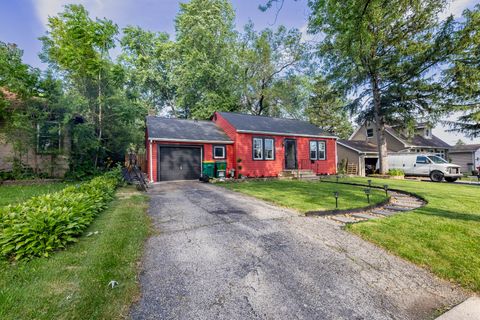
{"x": 207, "y": 154}
{"x": 271, "y": 168}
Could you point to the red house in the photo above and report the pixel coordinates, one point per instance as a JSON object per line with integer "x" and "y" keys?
{"x": 253, "y": 146}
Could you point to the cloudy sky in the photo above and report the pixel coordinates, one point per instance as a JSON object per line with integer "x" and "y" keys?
{"x": 23, "y": 21}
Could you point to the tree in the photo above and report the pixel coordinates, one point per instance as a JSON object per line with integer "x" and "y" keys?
{"x": 326, "y": 109}
{"x": 268, "y": 59}
{"x": 79, "y": 47}
{"x": 149, "y": 60}
{"x": 15, "y": 76}
{"x": 460, "y": 142}
{"x": 385, "y": 53}
{"x": 206, "y": 64}
{"x": 463, "y": 76}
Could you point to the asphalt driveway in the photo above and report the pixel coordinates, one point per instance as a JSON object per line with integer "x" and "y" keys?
{"x": 217, "y": 254}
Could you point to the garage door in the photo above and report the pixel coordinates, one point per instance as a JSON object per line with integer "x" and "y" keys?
{"x": 179, "y": 163}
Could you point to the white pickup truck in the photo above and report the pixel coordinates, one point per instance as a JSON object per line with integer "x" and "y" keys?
{"x": 427, "y": 165}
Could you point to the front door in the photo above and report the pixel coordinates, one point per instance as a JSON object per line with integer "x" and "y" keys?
{"x": 290, "y": 154}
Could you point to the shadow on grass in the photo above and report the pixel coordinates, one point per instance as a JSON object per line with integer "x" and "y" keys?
{"x": 449, "y": 214}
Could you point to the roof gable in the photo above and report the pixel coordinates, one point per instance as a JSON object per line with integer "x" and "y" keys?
{"x": 184, "y": 130}
{"x": 270, "y": 125}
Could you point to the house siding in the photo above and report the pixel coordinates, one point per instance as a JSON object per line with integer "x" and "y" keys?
{"x": 392, "y": 143}
{"x": 463, "y": 159}
{"x": 272, "y": 168}
{"x": 351, "y": 156}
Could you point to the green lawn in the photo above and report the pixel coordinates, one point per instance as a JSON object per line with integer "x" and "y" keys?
{"x": 17, "y": 194}
{"x": 73, "y": 284}
{"x": 306, "y": 195}
{"x": 443, "y": 236}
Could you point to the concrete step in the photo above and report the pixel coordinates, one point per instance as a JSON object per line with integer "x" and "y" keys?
{"x": 364, "y": 216}
{"x": 397, "y": 208}
{"x": 343, "y": 219}
{"x": 407, "y": 205}
{"x": 384, "y": 212}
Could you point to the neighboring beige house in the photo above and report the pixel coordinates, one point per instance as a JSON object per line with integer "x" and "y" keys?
{"x": 361, "y": 147}
{"x": 48, "y": 155}
{"x": 467, "y": 156}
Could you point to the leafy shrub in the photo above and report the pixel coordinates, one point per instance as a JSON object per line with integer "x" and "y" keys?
{"x": 50, "y": 222}
{"x": 396, "y": 172}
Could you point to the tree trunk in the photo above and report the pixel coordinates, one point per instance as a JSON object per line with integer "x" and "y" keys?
{"x": 380, "y": 127}
{"x": 99, "y": 118}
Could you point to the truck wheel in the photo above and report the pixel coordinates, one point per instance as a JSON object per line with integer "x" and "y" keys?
{"x": 450, "y": 179}
{"x": 436, "y": 176}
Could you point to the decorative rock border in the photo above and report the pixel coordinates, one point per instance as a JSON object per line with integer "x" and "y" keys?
{"x": 399, "y": 202}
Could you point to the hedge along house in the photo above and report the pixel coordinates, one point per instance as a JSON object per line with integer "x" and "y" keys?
{"x": 252, "y": 146}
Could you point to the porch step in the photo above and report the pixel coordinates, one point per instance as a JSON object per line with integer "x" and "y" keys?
{"x": 298, "y": 174}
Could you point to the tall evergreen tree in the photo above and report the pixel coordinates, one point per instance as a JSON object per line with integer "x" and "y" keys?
{"x": 462, "y": 78}
{"x": 385, "y": 53}
{"x": 326, "y": 109}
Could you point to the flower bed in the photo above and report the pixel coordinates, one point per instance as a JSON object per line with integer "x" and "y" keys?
{"x": 50, "y": 222}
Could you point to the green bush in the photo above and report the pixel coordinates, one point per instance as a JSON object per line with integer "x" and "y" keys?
{"x": 50, "y": 222}
{"x": 396, "y": 172}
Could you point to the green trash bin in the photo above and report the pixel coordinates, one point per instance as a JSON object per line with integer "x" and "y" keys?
{"x": 221, "y": 167}
{"x": 208, "y": 168}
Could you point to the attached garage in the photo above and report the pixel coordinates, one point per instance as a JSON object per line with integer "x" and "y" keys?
{"x": 179, "y": 163}
{"x": 176, "y": 148}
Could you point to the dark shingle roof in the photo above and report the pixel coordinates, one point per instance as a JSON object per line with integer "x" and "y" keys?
{"x": 247, "y": 122}
{"x": 359, "y": 145}
{"x": 181, "y": 129}
{"x": 465, "y": 148}
{"x": 434, "y": 142}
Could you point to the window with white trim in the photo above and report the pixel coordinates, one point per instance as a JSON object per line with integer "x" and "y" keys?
{"x": 321, "y": 150}
{"x": 318, "y": 150}
{"x": 257, "y": 149}
{"x": 313, "y": 150}
{"x": 219, "y": 152}
{"x": 269, "y": 146}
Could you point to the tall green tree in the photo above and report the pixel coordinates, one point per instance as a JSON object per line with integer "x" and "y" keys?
{"x": 206, "y": 64}
{"x": 385, "y": 53}
{"x": 78, "y": 47}
{"x": 268, "y": 61}
{"x": 326, "y": 109}
{"x": 149, "y": 61}
{"x": 462, "y": 78}
{"x": 15, "y": 76}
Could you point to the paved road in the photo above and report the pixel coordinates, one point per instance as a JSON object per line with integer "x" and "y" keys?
{"x": 221, "y": 255}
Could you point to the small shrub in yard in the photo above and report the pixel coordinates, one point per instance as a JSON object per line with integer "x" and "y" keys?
{"x": 50, "y": 222}
{"x": 396, "y": 172}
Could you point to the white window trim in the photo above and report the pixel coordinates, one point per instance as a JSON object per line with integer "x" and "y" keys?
{"x": 310, "y": 150}
{"x": 261, "y": 149}
{"x": 324, "y": 150}
{"x": 223, "y": 151}
{"x": 273, "y": 149}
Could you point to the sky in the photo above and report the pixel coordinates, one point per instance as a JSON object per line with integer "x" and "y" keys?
{"x": 24, "y": 21}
